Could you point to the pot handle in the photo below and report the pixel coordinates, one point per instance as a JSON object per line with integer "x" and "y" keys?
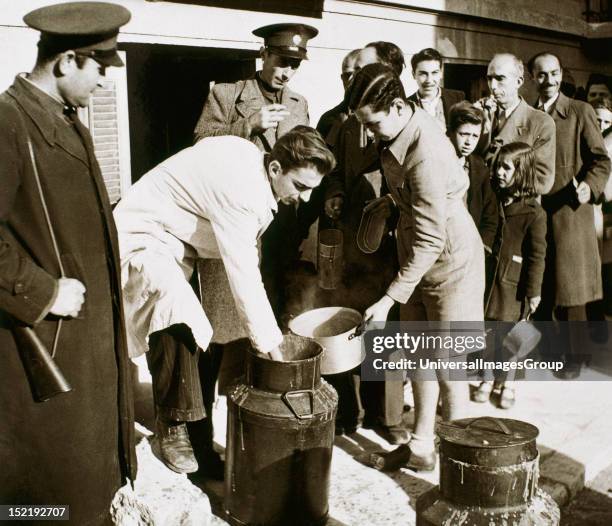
{"x": 504, "y": 428}
{"x": 294, "y": 401}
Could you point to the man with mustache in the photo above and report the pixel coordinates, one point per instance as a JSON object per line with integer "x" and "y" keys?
{"x": 427, "y": 70}
{"x": 573, "y": 267}
{"x": 509, "y": 118}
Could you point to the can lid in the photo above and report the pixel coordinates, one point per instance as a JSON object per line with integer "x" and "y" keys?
{"x": 488, "y": 432}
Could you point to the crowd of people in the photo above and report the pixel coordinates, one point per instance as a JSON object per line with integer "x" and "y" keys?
{"x": 482, "y": 209}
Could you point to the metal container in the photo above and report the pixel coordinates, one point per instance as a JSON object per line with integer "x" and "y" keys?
{"x": 329, "y": 258}
{"x": 333, "y": 328}
{"x": 280, "y": 433}
{"x": 488, "y": 476}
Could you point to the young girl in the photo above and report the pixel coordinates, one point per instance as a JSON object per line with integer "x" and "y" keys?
{"x": 518, "y": 252}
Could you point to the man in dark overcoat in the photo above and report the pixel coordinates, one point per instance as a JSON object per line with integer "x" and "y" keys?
{"x": 573, "y": 266}
{"x": 77, "y": 448}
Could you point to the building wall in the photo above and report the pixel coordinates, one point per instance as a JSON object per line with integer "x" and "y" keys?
{"x": 449, "y": 25}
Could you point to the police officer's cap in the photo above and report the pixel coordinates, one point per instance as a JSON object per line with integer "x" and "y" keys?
{"x": 287, "y": 40}
{"x": 88, "y": 28}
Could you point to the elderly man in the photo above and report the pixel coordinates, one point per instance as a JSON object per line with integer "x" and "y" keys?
{"x": 59, "y": 275}
{"x": 428, "y": 72}
{"x": 510, "y": 118}
{"x": 212, "y": 200}
{"x": 573, "y": 267}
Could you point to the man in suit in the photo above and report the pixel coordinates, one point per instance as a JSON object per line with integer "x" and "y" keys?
{"x": 60, "y": 276}
{"x": 508, "y": 118}
{"x": 573, "y": 267}
{"x": 427, "y": 70}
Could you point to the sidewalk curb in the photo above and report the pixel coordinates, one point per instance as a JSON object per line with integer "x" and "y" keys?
{"x": 561, "y": 477}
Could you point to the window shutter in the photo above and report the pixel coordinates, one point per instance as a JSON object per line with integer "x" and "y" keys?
{"x": 107, "y": 119}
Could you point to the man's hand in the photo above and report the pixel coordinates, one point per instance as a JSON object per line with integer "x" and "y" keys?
{"x": 267, "y": 117}
{"x": 488, "y": 106}
{"x": 583, "y": 193}
{"x": 333, "y": 207}
{"x": 533, "y": 303}
{"x": 380, "y": 310}
{"x": 69, "y": 299}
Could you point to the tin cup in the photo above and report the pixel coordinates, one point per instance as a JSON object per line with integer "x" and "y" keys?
{"x": 329, "y": 258}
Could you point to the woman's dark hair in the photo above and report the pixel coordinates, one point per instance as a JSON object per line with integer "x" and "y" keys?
{"x": 603, "y": 102}
{"x": 377, "y": 86}
{"x": 522, "y": 156}
{"x": 300, "y": 147}
{"x": 391, "y": 55}
{"x": 464, "y": 113}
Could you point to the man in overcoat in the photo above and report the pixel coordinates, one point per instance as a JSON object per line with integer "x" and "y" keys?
{"x": 428, "y": 72}
{"x": 509, "y": 118}
{"x": 573, "y": 266}
{"x": 77, "y": 448}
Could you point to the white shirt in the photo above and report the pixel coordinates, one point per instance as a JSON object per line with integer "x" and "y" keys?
{"x": 545, "y": 106}
{"x": 212, "y": 200}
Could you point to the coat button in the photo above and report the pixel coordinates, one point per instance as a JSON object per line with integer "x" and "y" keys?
{"x": 19, "y": 287}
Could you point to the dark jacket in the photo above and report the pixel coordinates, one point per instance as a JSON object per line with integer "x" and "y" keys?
{"x": 481, "y": 200}
{"x": 450, "y": 97}
{"x": 78, "y": 447}
{"x": 517, "y": 262}
{"x": 330, "y": 123}
{"x": 572, "y": 240}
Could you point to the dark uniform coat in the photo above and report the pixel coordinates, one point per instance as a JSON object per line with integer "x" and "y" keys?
{"x": 573, "y": 254}
{"x": 78, "y": 447}
{"x": 518, "y": 258}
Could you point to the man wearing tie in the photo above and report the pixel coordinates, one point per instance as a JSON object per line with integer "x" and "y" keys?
{"x": 510, "y": 118}
{"x": 573, "y": 267}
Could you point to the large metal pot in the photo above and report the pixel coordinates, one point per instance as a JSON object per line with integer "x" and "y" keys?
{"x": 280, "y": 434}
{"x": 332, "y": 328}
{"x": 488, "y": 477}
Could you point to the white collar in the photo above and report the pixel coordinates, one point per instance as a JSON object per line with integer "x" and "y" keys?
{"x": 548, "y": 103}
{"x": 430, "y": 102}
{"x": 508, "y": 111}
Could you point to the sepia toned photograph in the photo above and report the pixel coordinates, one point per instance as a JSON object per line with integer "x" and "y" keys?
{"x": 306, "y": 262}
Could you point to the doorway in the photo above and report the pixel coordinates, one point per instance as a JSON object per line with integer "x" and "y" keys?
{"x": 167, "y": 86}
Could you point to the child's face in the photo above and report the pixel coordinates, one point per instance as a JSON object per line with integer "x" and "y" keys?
{"x": 505, "y": 172}
{"x": 465, "y": 138}
{"x": 604, "y": 118}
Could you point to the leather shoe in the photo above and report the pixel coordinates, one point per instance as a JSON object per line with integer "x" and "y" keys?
{"x": 172, "y": 446}
{"x": 571, "y": 369}
{"x": 401, "y": 457}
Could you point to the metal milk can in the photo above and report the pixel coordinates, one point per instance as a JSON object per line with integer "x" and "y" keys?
{"x": 488, "y": 476}
{"x": 280, "y": 433}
